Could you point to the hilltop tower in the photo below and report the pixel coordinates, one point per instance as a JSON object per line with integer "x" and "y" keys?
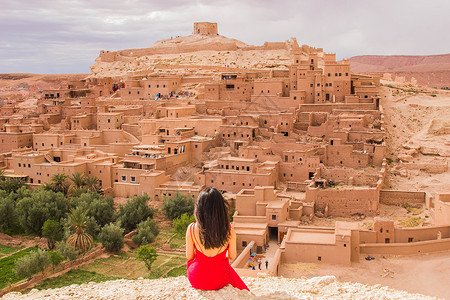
{"x": 205, "y": 28}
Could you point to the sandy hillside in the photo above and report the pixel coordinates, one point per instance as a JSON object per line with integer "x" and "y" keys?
{"x": 417, "y": 122}
{"x": 428, "y": 70}
{"x": 326, "y": 287}
{"x": 195, "y": 51}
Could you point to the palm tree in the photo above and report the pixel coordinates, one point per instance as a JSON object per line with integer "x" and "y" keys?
{"x": 80, "y": 239}
{"x": 78, "y": 180}
{"x": 59, "y": 183}
{"x": 92, "y": 184}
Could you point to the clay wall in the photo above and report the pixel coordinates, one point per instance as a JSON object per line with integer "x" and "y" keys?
{"x": 108, "y": 121}
{"x": 349, "y": 176}
{"x": 401, "y": 197}
{"x": 442, "y": 209}
{"x": 238, "y": 89}
{"x": 234, "y": 181}
{"x": 83, "y": 122}
{"x": 330, "y": 107}
{"x": 299, "y": 169}
{"x": 269, "y": 87}
{"x": 205, "y": 28}
{"x": 330, "y": 253}
{"x": 345, "y": 201}
{"x": 406, "y": 248}
{"x": 434, "y": 168}
{"x": 408, "y": 235}
{"x": 108, "y": 56}
{"x": 10, "y": 141}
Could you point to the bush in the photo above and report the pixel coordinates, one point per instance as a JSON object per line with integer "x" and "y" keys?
{"x": 111, "y": 237}
{"x": 181, "y": 224}
{"x": 7, "y": 211}
{"x": 134, "y": 212}
{"x": 66, "y": 251}
{"x": 53, "y": 232}
{"x": 146, "y": 232}
{"x": 55, "y": 258}
{"x": 31, "y": 264}
{"x": 11, "y": 184}
{"x": 148, "y": 255}
{"x": 99, "y": 207}
{"x": 174, "y": 207}
{"x": 33, "y": 211}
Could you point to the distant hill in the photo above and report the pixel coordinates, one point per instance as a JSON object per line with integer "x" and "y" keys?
{"x": 428, "y": 70}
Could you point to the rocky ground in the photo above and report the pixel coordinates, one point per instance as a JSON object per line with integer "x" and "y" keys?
{"x": 326, "y": 287}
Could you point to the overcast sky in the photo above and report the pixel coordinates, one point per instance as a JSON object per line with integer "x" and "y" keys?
{"x": 65, "y": 36}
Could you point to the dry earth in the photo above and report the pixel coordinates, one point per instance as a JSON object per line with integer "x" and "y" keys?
{"x": 417, "y": 121}
{"x": 428, "y": 70}
{"x": 326, "y": 287}
{"x": 426, "y": 274}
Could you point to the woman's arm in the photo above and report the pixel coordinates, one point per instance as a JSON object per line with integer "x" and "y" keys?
{"x": 232, "y": 253}
{"x": 189, "y": 243}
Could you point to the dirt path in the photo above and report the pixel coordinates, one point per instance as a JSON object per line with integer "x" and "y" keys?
{"x": 428, "y": 274}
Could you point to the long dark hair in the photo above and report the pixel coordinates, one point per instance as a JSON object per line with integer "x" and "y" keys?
{"x": 211, "y": 213}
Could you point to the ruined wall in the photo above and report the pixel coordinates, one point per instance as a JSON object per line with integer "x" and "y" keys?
{"x": 400, "y": 197}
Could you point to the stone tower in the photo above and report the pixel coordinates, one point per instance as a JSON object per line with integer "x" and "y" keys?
{"x": 205, "y": 28}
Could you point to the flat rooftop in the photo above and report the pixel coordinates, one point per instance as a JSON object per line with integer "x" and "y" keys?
{"x": 307, "y": 237}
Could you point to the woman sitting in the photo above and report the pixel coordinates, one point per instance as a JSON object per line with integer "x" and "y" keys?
{"x": 210, "y": 242}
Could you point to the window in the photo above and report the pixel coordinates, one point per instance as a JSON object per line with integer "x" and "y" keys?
{"x": 244, "y": 244}
{"x": 274, "y": 217}
{"x": 311, "y": 85}
{"x": 20, "y": 164}
{"x": 387, "y": 240}
{"x": 124, "y": 178}
{"x": 133, "y": 179}
{"x": 410, "y": 240}
{"x": 345, "y": 245}
{"x": 319, "y": 258}
{"x": 329, "y": 74}
{"x": 29, "y": 166}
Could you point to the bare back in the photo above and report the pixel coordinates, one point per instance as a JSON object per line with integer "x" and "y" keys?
{"x": 193, "y": 241}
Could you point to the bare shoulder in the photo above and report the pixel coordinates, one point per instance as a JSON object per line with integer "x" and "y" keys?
{"x": 188, "y": 230}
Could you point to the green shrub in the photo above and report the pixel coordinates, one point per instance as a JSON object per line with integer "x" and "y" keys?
{"x": 55, "y": 258}
{"x": 177, "y": 205}
{"x": 181, "y": 224}
{"x": 66, "y": 251}
{"x": 134, "y": 212}
{"x": 111, "y": 237}
{"x": 148, "y": 255}
{"x": 53, "y": 232}
{"x": 31, "y": 264}
{"x": 7, "y": 211}
{"x": 100, "y": 207}
{"x": 33, "y": 211}
{"x": 146, "y": 232}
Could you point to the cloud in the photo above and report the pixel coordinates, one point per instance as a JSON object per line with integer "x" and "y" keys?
{"x": 65, "y": 36}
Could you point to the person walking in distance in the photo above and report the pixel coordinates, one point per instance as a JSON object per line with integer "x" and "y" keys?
{"x": 259, "y": 263}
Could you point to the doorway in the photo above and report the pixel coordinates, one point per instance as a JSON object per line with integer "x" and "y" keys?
{"x": 273, "y": 234}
